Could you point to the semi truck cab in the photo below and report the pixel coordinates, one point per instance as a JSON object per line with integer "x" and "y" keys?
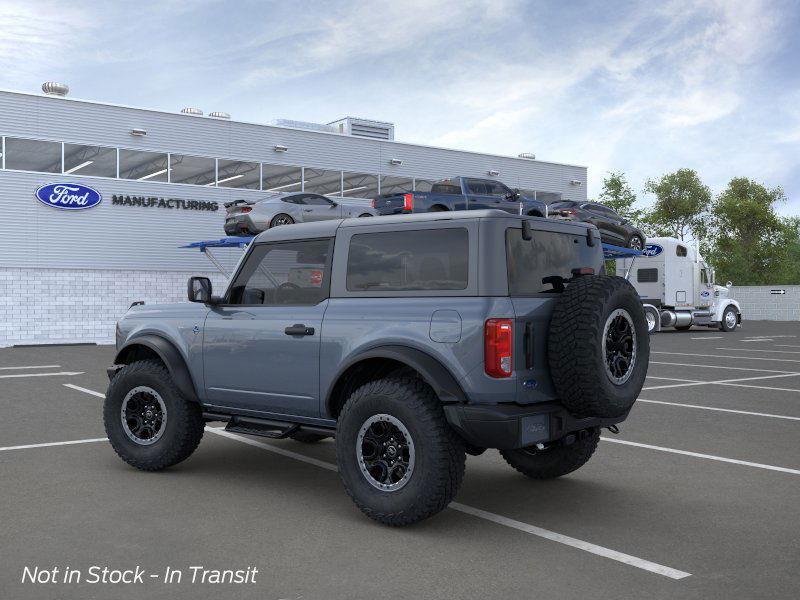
{"x": 677, "y": 287}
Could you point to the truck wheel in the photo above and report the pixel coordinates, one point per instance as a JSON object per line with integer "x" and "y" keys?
{"x": 598, "y": 346}
{"x": 652, "y": 316}
{"x": 150, "y": 425}
{"x": 557, "y": 460}
{"x": 398, "y": 458}
{"x": 729, "y": 320}
{"x": 307, "y": 437}
{"x": 635, "y": 242}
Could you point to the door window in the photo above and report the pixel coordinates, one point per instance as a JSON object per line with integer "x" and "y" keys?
{"x": 314, "y": 200}
{"x": 477, "y": 187}
{"x": 495, "y": 188}
{"x": 290, "y": 273}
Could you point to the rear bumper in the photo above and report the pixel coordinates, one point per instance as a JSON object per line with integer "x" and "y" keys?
{"x": 511, "y": 426}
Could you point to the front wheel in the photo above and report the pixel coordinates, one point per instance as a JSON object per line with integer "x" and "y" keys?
{"x": 398, "y": 458}
{"x": 150, "y": 425}
{"x": 729, "y": 320}
{"x": 564, "y": 457}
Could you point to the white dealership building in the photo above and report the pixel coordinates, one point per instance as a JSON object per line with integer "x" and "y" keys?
{"x": 161, "y": 179}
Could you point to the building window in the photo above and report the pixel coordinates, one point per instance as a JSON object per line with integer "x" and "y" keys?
{"x": 33, "y": 155}
{"x": 423, "y": 185}
{"x": 96, "y": 161}
{"x": 194, "y": 170}
{"x": 143, "y": 166}
{"x": 360, "y": 185}
{"x": 432, "y": 259}
{"x": 320, "y": 181}
{"x": 280, "y": 178}
{"x": 396, "y": 185}
{"x": 237, "y": 174}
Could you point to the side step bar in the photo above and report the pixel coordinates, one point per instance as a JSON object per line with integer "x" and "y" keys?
{"x": 265, "y": 427}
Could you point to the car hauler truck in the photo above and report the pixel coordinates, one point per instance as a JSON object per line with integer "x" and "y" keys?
{"x": 677, "y": 287}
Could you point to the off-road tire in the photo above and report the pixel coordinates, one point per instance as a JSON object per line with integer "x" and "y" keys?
{"x": 439, "y": 452}
{"x": 575, "y": 346}
{"x": 184, "y": 424}
{"x": 556, "y": 461}
{"x": 307, "y": 437}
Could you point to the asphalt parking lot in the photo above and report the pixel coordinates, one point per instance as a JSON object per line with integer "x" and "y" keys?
{"x": 697, "y": 497}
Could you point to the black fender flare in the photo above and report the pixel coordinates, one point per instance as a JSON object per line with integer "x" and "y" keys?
{"x": 169, "y": 355}
{"x": 432, "y": 371}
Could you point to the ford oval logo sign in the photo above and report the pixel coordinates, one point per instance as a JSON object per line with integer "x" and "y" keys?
{"x": 68, "y": 196}
{"x": 652, "y": 250}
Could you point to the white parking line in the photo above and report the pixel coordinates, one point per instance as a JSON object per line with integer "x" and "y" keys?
{"x": 786, "y": 346}
{"x": 82, "y": 389}
{"x": 15, "y": 375}
{"x": 719, "y": 382}
{"x": 723, "y": 356}
{"x": 758, "y": 350}
{"x": 759, "y": 387}
{"x": 708, "y": 337}
{"x": 706, "y": 456}
{"x": 727, "y": 410}
{"x": 669, "y": 379}
{"x": 31, "y": 367}
{"x": 47, "y": 445}
{"x": 573, "y": 542}
{"x": 759, "y": 340}
{"x": 656, "y": 362}
{"x": 488, "y": 516}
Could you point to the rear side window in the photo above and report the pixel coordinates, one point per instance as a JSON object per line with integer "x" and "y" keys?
{"x": 433, "y": 259}
{"x": 647, "y": 275}
{"x": 545, "y": 263}
{"x": 284, "y": 273}
{"x": 446, "y": 187}
{"x": 681, "y": 251}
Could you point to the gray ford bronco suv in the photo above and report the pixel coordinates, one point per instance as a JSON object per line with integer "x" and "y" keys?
{"x": 411, "y": 339}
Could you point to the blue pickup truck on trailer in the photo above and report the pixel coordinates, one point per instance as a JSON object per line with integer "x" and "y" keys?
{"x": 461, "y": 193}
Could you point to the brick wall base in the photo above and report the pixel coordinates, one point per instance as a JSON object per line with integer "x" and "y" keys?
{"x": 61, "y": 306}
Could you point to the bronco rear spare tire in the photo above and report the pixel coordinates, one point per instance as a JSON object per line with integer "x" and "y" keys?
{"x": 598, "y": 346}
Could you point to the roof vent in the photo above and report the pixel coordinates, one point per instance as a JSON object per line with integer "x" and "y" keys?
{"x": 527, "y": 155}
{"x": 376, "y": 130}
{"x": 303, "y": 125}
{"x": 51, "y": 88}
{"x": 219, "y": 115}
{"x": 192, "y": 111}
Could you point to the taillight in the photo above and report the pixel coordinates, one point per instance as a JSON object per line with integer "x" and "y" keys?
{"x": 408, "y": 202}
{"x": 246, "y": 209}
{"x": 498, "y": 339}
{"x": 569, "y": 213}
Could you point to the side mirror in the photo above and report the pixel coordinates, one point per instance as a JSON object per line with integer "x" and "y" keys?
{"x": 334, "y": 204}
{"x": 199, "y": 289}
{"x": 729, "y": 285}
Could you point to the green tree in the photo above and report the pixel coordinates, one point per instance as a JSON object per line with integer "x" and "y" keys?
{"x": 681, "y": 205}
{"x": 618, "y": 195}
{"x": 750, "y": 243}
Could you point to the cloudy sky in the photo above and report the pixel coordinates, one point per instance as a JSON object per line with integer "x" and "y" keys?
{"x": 641, "y": 87}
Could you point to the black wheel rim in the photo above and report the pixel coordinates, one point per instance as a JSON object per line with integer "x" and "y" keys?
{"x": 144, "y": 415}
{"x": 385, "y": 452}
{"x": 636, "y": 243}
{"x": 282, "y": 220}
{"x": 619, "y": 346}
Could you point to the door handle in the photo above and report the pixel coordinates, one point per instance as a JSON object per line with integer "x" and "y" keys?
{"x": 307, "y": 209}
{"x": 299, "y": 329}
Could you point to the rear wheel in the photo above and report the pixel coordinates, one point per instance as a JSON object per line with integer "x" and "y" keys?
{"x": 635, "y": 243}
{"x": 563, "y": 457}
{"x": 729, "y": 320}
{"x": 398, "y": 458}
{"x": 281, "y": 219}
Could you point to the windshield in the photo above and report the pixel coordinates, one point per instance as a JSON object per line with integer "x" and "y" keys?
{"x": 544, "y": 264}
